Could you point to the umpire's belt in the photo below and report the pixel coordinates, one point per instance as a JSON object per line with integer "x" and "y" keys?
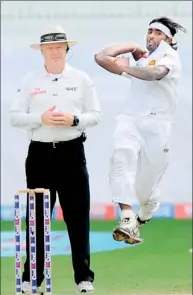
{"x": 57, "y": 144}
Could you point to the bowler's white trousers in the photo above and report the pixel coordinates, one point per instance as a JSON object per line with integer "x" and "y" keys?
{"x": 140, "y": 152}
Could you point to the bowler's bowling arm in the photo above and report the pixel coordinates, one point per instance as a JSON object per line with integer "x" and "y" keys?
{"x": 147, "y": 73}
{"x": 106, "y": 57}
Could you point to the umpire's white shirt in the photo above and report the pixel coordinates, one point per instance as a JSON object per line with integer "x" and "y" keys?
{"x": 72, "y": 92}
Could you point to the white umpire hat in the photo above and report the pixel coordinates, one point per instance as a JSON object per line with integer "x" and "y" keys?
{"x": 53, "y": 34}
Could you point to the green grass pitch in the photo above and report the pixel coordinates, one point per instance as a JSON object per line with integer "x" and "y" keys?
{"x": 161, "y": 265}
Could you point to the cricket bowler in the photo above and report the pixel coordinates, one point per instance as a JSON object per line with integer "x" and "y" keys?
{"x": 140, "y": 143}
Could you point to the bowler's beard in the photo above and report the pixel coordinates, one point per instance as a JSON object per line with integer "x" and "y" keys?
{"x": 152, "y": 45}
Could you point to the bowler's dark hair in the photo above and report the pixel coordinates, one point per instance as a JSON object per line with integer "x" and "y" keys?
{"x": 171, "y": 25}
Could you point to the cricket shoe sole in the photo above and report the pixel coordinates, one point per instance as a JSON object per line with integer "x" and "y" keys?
{"x": 122, "y": 235}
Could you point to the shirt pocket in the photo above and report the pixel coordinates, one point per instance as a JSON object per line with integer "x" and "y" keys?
{"x": 72, "y": 96}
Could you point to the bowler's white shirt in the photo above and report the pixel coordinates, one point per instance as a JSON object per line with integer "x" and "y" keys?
{"x": 72, "y": 92}
{"x": 155, "y": 97}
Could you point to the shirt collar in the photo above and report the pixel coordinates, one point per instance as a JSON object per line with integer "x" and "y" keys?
{"x": 65, "y": 72}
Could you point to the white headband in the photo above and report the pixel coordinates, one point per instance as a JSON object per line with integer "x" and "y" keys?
{"x": 162, "y": 28}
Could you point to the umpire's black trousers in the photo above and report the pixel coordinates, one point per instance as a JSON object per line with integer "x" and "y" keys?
{"x": 62, "y": 169}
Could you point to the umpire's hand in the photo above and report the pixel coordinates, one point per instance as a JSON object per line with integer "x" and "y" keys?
{"x": 51, "y": 118}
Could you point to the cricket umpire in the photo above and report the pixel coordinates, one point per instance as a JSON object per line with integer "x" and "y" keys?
{"x": 55, "y": 104}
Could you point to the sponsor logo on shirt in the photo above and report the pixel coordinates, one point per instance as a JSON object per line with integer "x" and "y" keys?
{"x": 71, "y": 88}
{"x": 38, "y": 91}
{"x": 152, "y": 62}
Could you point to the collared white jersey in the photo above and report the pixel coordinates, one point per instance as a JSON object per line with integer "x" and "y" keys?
{"x": 72, "y": 92}
{"x": 155, "y": 97}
